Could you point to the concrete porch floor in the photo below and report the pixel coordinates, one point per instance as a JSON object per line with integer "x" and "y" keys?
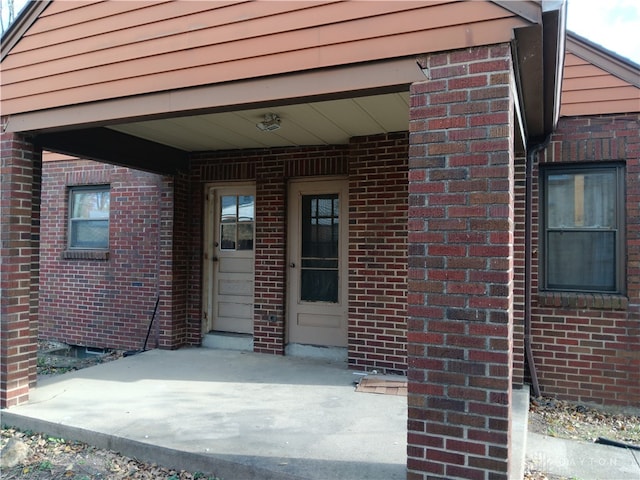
{"x": 239, "y": 415}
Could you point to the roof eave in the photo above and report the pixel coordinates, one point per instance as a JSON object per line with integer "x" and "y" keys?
{"x": 554, "y": 34}
{"x": 539, "y": 63}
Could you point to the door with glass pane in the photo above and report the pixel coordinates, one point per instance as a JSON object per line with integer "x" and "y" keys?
{"x": 317, "y": 300}
{"x": 230, "y": 257}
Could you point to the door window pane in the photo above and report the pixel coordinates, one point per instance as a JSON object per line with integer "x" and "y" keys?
{"x": 229, "y": 209}
{"x": 237, "y": 217}
{"x": 228, "y": 237}
{"x": 320, "y": 244}
{"x": 246, "y": 208}
{"x": 319, "y": 285}
{"x": 245, "y": 236}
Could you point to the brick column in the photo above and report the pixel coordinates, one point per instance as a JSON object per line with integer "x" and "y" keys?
{"x": 21, "y": 176}
{"x": 460, "y": 293}
{"x": 519, "y": 281}
{"x": 173, "y": 276}
{"x": 271, "y": 251}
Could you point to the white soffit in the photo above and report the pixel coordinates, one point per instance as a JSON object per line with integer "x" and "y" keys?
{"x": 330, "y": 122}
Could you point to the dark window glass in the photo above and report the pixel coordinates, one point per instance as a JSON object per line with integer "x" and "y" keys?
{"x": 582, "y": 211}
{"x": 320, "y": 244}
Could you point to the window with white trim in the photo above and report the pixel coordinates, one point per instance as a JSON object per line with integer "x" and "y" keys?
{"x": 89, "y": 217}
{"x": 583, "y": 228}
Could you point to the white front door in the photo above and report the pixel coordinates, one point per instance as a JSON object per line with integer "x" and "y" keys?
{"x": 229, "y": 259}
{"x": 318, "y": 236}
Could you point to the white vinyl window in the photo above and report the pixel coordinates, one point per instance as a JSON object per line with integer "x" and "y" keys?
{"x": 89, "y": 217}
{"x": 583, "y": 225}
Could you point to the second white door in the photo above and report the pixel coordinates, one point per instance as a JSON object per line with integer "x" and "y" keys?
{"x": 318, "y": 236}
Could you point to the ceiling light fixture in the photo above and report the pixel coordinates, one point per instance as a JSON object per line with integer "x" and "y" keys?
{"x": 270, "y": 123}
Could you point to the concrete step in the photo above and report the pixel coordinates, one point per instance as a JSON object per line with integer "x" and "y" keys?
{"x": 228, "y": 341}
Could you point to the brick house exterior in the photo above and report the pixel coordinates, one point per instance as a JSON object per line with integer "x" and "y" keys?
{"x": 100, "y": 302}
{"x": 586, "y": 345}
{"x": 433, "y": 147}
{"x": 117, "y": 294}
{"x": 576, "y": 356}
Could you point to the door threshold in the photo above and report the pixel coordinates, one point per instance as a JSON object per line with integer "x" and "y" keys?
{"x": 333, "y": 354}
{"x": 228, "y": 341}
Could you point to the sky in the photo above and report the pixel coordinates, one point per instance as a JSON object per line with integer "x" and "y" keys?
{"x": 613, "y": 24}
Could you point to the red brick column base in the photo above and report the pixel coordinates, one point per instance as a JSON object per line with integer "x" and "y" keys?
{"x": 460, "y": 295}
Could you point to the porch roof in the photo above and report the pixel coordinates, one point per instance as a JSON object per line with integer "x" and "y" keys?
{"x": 164, "y": 87}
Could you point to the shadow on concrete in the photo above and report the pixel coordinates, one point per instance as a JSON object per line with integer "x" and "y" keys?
{"x": 239, "y": 415}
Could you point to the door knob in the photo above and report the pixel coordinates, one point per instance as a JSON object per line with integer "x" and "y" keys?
{"x": 292, "y": 265}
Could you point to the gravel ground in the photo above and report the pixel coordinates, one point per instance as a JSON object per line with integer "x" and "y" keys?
{"x": 51, "y": 458}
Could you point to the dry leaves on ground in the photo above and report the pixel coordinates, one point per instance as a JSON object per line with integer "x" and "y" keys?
{"x": 559, "y": 418}
{"x": 52, "y": 362}
{"x": 531, "y": 473}
{"x": 54, "y": 458}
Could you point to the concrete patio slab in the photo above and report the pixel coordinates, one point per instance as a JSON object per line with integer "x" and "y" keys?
{"x": 237, "y": 414}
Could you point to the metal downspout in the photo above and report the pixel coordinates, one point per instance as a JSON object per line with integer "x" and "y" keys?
{"x": 532, "y": 152}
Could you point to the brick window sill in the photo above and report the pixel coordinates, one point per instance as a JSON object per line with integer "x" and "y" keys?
{"x": 102, "y": 255}
{"x": 595, "y": 301}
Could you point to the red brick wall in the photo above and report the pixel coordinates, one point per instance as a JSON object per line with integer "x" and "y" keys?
{"x": 587, "y": 347}
{"x": 378, "y": 204}
{"x": 377, "y": 215}
{"x": 460, "y": 294}
{"x": 101, "y": 303}
{"x": 270, "y": 169}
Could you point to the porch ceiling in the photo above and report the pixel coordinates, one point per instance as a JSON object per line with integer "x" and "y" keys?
{"x": 328, "y": 122}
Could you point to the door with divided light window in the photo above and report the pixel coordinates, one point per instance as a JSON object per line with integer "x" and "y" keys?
{"x": 317, "y": 256}
{"x": 229, "y": 259}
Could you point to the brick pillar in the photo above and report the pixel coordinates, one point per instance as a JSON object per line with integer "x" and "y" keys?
{"x": 271, "y": 251}
{"x": 173, "y": 276}
{"x": 21, "y": 176}
{"x": 460, "y": 295}
{"x": 519, "y": 283}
